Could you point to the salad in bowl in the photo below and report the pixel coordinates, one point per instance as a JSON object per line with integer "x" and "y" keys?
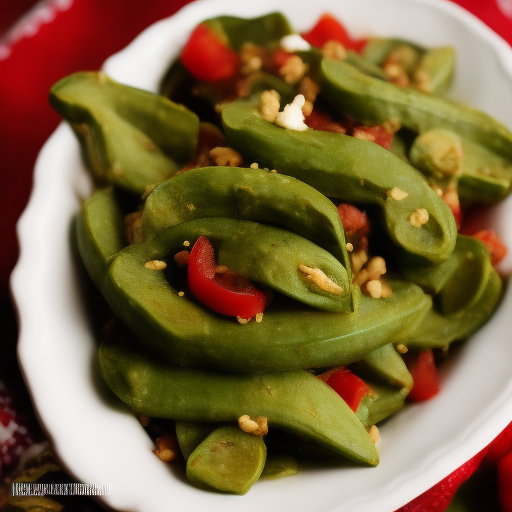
{"x": 286, "y": 228}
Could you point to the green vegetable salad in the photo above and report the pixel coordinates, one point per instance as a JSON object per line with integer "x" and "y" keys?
{"x": 278, "y": 235}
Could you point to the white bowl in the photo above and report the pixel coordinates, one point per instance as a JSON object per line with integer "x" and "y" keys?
{"x": 100, "y": 442}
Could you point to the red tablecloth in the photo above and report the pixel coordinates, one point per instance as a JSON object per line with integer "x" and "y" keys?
{"x": 58, "y": 37}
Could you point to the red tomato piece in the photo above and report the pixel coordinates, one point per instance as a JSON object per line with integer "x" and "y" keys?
{"x": 225, "y": 292}
{"x": 280, "y": 57}
{"x": 207, "y": 58}
{"x": 505, "y": 482}
{"x": 349, "y": 386}
{"x": 321, "y": 121}
{"x": 377, "y": 134}
{"x": 492, "y": 241}
{"x": 500, "y": 446}
{"x": 326, "y": 29}
{"x": 353, "y": 219}
{"x": 424, "y": 375}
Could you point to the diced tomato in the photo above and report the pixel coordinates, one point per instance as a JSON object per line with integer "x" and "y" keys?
{"x": 424, "y": 375}
{"x": 280, "y": 57}
{"x": 492, "y": 241}
{"x": 451, "y": 198}
{"x": 348, "y": 385}
{"x": 207, "y": 58}
{"x": 226, "y": 292}
{"x": 322, "y": 121}
{"x": 326, "y": 29}
{"x": 353, "y": 219}
{"x": 505, "y": 482}
{"x": 377, "y": 134}
{"x": 500, "y": 446}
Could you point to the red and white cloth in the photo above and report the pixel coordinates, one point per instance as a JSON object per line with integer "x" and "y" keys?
{"x": 58, "y": 37}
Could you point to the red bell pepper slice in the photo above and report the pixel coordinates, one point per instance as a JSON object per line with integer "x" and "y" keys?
{"x": 422, "y": 367}
{"x": 497, "y": 249}
{"x": 227, "y": 292}
{"x": 207, "y": 58}
{"x": 348, "y": 385}
{"x": 505, "y": 482}
{"x": 326, "y": 29}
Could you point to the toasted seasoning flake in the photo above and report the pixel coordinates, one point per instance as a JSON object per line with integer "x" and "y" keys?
{"x": 362, "y": 277}
{"x": 386, "y": 291}
{"x": 334, "y": 50}
{"x": 350, "y": 247}
{"x": 147, "y": 191}
{"x": 376, "y": 267}
{"x": 155, "y": 265}
{"x": 374, "y": 434}
{"x": 402, "y": 348}
{"x": 374, "y": 288}
{"x": 320, "y": 279}
{"x": 358, "y": 259}
{"x": 257, "y": 426}
{"x": 419, "y": 217}
{"x": 166, "y": 448}
{"x": 397, "y": 194}
{"x": 309, "y": 89}
{"x": 254, "y": 165}
{"x": 259, "y": 317}
{"x": 270, "y": 105}
{"x": 253, "y": 64}
{"x": 392, "y": 125}
{"x": 181, "y": 258}
{"x": 293, "y": 70}
{"x": 307, "y": 108}
{"x": 181, "y": 294}
{"x": 186, "y": 243}
{"x": 226, "y": 156}
{"x": 364, "y": 135}
{"x": 241, "y": 320}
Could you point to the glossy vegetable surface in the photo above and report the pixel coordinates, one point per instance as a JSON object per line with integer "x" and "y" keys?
{"x": 348, "y": 169}
{"x": 294, "y": 401}
{"x": 306, "y": 231}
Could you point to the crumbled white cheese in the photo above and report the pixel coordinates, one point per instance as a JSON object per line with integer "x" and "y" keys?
{"x": 292, "y": 116}
{"x": 294, "y": 43}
